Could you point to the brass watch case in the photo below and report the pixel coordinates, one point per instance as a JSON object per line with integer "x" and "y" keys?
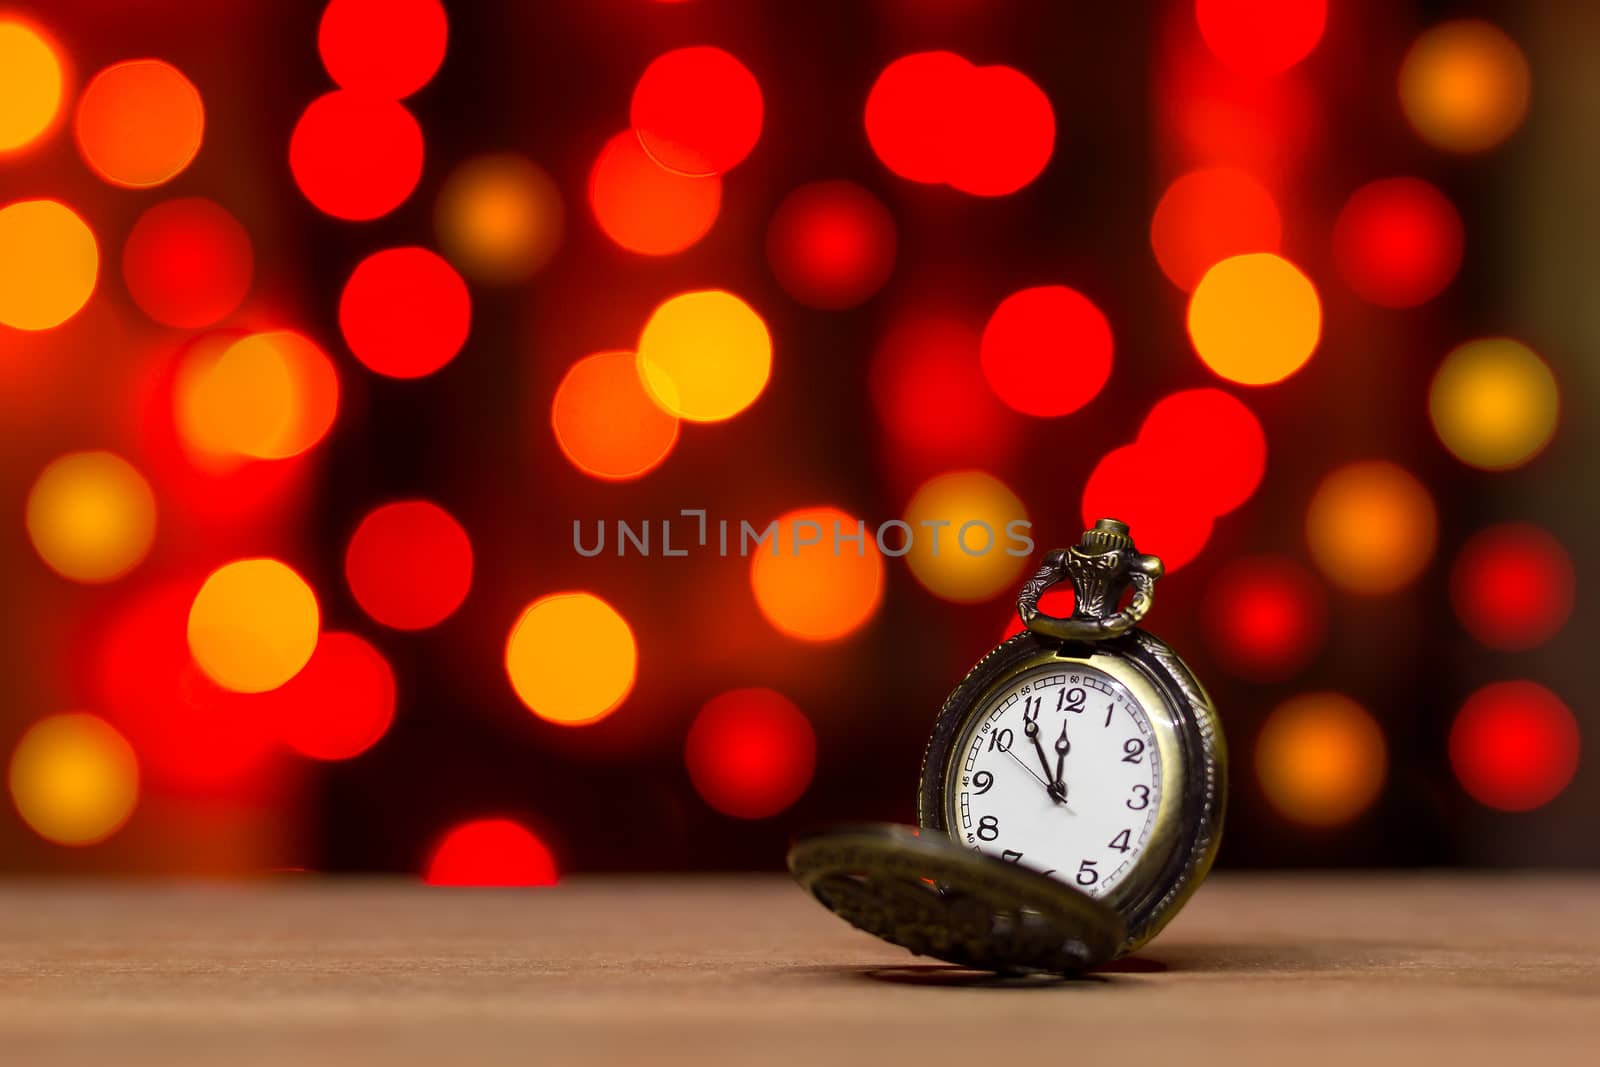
{"x": 1188, "y": 736}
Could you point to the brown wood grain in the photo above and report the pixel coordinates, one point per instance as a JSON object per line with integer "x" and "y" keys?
{"x": 1282, "y": 969}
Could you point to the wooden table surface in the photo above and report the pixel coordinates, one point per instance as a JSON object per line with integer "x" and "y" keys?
{"x": 1293, "y": 970}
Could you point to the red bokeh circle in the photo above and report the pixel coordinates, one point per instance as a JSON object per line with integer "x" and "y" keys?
{"x": 1398, "y": 242}
{"x": 1514, "y": 746}
{"x": 356, "y": 155}
{"x": 750, "y": 753}
{"x": 1513, "y": 586}
{"x": 697, "y": 110}
{"x": 1210, "y": 444}
{"x": 909, "y": 114}
{"x": 1046, "y": 351}
{"x": 405, "y": 312}
{"x": 491, "y": 852}
{"x": 340, "y": 704}
{"x": 1006, "y": 132}
{"x": 187, "y": 263}
{"x": 1208, "y": 215}
{"x": 831, "y": 244}
{"x": 387, "y": 47}
{"x": 1160, "y": 510}
{"x": 1266, "y": 618}
{"x": 1261, "y": 37}
{"x": 409, "y": 564}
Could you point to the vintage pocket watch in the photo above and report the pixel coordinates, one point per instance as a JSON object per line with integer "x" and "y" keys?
{"x": 1072, "y": 791}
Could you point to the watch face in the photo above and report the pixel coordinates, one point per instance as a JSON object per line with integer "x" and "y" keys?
{"x": 1059, "y": 770}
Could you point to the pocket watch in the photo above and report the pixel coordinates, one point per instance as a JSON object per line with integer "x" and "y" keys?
{"x": 1072, "y": 791}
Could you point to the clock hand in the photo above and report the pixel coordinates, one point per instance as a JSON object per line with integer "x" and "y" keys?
{"x": 1027, "y": 768}
{"x": 1058, "y": 787}
{"x": 1030, "y": 727}
{"x": 1048, "y": 787}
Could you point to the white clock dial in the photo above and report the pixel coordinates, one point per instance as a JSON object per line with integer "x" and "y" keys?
{"x": 1060, "y": 772}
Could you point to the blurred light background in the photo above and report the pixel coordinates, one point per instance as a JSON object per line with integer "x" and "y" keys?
{"x": 323, "y": 327}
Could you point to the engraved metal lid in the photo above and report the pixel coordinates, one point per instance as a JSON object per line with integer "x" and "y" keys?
{"x": 925, "y": 892}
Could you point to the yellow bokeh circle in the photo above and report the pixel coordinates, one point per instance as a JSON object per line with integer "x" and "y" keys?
{"x": 1464, "y": 85}
{"x": 705, "y": 356}
{"x": 499, "y": 218}
{"x": 267, "y": 395}
{"x": 1254, "y": 319}
{"x": 1321, "y": 759}
{"x": 253, "y": 625}
{"x": 91, "y": 516}
{"x": 966, "y": 536}
{"x": 1494, "y": 404}
{"x": 571, "y": 658}
{"x": 30, "y": 85}
{"x": 821, "y": 576}
{"x": 1371, "y": 527}
{"x": 74, "y": 779}
{"x": 48, "y": 264}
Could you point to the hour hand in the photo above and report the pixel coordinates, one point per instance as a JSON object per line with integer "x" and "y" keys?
{"x": 1058, "y": 787}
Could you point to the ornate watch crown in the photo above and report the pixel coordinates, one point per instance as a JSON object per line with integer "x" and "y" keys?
{"x": 1101, "y": 566}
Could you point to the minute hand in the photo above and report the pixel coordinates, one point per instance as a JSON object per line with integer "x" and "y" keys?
{"x": 1031, "y": 728}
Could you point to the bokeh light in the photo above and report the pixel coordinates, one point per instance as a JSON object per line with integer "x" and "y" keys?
{"x": 705, "y": 356}
{"x": 194, "y": 738}
{"x": 356, "y": 155}
{"x": 491, "y": 852}
{"x": 340, "y": 704}
{"x": 1371, "y": 527}
{"x": 405, "y": 312}
{"x": 571, "y": 658}
{"x": 1210, "y": 215}
{"x": 811, "y": 587}
{"x": 1514, "y": 746}
{"x": 750, "y": 753}
{"x": 30, "y": 85}
{"x": 1265, "y": 618}
{"x": 929, "y": 391}
{"x": 1513, "y": 586}
{"x": 48, "y": 264}
{"x": 1397, "y": 242}
{"x": 187, "y": 263}
{"x": 1211, "y": 448}
{"x": 1494, "y": 403}
{"x": 646, "y": 208}
{"x": 1464, "y": 85}
{"x": 908, "y": 114}
{"x": 1321, "y": 759}
{"x": 266, "y": 395}
{"x": 1046, "y": 351}
{"x": 1166, "y": 517}
{"x": 91, "y": 516}
{"x": 934, "y": 117}
{"x": 386, "y": 47}
{"x": 1254, "y": 319}
{"x": 499, "y": 218}
{"x": 831, "y": 245}
{"x": 74, "y": 779}
{"x": 965, "y": 527}
{"x": 697, "y": 111}
{"x": 409, "y": 564}
{"x": 1006, "y": 129}
{"x": 1260, "y": 37}
{"x": 139, "y": 123}
{"x": 253, "y": 625}
{"x": 606, "y": 423}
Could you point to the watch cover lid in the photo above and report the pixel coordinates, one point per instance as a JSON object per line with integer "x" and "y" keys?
{"x": 923, "y": 891}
